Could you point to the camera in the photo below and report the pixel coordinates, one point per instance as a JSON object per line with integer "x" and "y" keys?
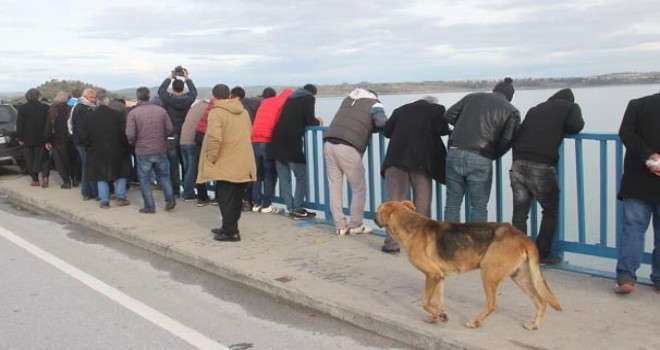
{"x": 178, "y": 71}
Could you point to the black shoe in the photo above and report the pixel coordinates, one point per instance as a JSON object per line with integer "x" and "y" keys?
{"x": 301, "y": 214}
{"x": 75, "y": 183}
{"x": 66, "y": 185}
{"x": 387, "y": 250}
{"x": 104, "y": 205}
{"x": 227, "y": 237}
{"x": 190, "y": 199}
{"x": 147, "y": 211}
{"x": 217, "y": 231}
{"x": 170, "y": 204}
{"x": 550, "y": 260}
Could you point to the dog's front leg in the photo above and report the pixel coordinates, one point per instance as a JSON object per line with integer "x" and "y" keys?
{"x": 434, "y": 284}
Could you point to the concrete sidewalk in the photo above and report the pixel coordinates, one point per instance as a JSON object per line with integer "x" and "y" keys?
{"x": 350, "y": 279}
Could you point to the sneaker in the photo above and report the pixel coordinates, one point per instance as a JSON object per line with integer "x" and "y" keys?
{"x": 214, "y": 202}
{"x": 256, "y": 208}
{"x": 550, "y": 260}
{"x": 360, "y": 230}
{"x": 170, "y": 204}
{"x": 190, "y": 199}
{"x": 34, "y": 183}
{"x": 624, "y": 288}
{"x": 390, "y": 250}
{"x": 342, "y": 231}
{"x": 146, "y": 211}
{"x": 122, "y": 202}
{"x": 203, "y": 202}
{"x": 104, "y": 205}
{"x": 66, "y": 185}
{"x": 301, "y": 214}
{"x": 270, "y": 210}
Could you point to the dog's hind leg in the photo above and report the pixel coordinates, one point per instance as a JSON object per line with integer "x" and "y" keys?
{"x": 433, "y": 301}
{"x": 523, "y": 278}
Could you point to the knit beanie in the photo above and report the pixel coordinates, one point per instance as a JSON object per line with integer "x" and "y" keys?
{"x": 505, "y": 87}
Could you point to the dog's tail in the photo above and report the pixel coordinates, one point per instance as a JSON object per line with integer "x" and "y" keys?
{"x": 537, "y": 278}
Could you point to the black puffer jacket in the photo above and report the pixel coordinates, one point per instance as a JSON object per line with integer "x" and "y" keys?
{"x": 544, "y": 128}
{"x": 484, "y": 122}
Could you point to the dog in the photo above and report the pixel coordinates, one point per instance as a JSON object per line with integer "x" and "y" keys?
{"x": 440, "y": 249}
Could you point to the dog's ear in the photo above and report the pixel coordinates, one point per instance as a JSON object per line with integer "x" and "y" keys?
{"x": 409, "y": 205}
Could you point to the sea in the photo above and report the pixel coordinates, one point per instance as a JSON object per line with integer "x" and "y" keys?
{"x": 602, "y": 109}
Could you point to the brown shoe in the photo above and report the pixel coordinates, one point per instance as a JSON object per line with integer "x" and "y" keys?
{"x": 122, "y": 202}
{"x": 34, "y": 183}
{"x": 44, "y": 182}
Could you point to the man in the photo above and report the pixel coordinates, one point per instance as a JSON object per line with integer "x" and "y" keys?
{"x": 267, "y": 116}
{"x": 81, "y": 110}
{"x": 30, "y": 125}
{"x": 108, "y": 153}
{"x": 147, "y": 129}
{"x": 640, "y": 191}
{"x": 287, "y": 148}
{"x": 227, "y": 158}
{"x": 177, "y": 105}
{"x": 190, "y": 153}
{"x": 251, "y": 105}
{"x": 535, "y": 156}
{"x": 415, "y": 155}
{"x": 359, "y": 115}
{"x": 484, "y": 127}
{"x": 58, "y": 140}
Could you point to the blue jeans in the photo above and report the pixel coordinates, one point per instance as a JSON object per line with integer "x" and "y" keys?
{"x": 104, "y": 189}
{"x": 87, "y": 188}
{"x": 468, "y": 172}
{"x": 263, "y": 189}
{"x": 159, "y": 164}
{"x": 284, "y": 169}
{"x": 190, "y": 158}
{"x": 636, "y": 217}
{"x": 535, "y": 180}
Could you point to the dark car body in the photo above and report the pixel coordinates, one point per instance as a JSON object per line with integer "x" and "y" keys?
{"x": 11, "y": 153}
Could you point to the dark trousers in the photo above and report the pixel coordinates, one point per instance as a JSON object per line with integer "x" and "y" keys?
{"x": 536, "y": 180}
{"x": 37, "y": 161}
{"x": 64, "y": 156}
{"x": 202, "y": 192}
{"x": 174, "y": 157}
{"x": 230, "y": 202}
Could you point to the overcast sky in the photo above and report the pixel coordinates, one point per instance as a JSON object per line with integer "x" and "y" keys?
{"x": 120, "y": 44}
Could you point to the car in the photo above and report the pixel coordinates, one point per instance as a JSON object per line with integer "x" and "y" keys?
{"x": 11, "y": 153}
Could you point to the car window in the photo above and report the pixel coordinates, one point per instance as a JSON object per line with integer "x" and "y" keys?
{"x": 5, "y": 114}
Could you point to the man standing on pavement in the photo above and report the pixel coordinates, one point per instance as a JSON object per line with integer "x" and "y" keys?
{"x": 267, "y": 116}
{"x": 640, "y": 191}
{"x": 287, "y": 148}
{"x": 58, "y": 140}
{"x": 227, "y": 158}
{"x": 359, "y": 115}
{"x": 415, "y": 156}
{"x": 484, "y": 127}
{"x": 30, "y": 125}
{"x": 147, "y": 128}
{"x": 177, "y": 105}
{"x": 533, "y": 174}
{"x": 81, "y": 110}
{"x": 190, "y": 153}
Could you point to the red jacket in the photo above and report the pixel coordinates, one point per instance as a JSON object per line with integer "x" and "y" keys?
{"x": 267, "y": 116}
{"x": 201, "y": 126}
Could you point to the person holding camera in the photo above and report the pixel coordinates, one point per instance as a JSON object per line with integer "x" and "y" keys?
{"x": 176, "y": 103}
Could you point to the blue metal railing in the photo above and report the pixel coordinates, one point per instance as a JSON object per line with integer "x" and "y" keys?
{"x": 588, "y": 192}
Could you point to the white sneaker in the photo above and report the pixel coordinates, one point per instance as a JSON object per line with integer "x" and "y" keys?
{"x": 270, "y": 210}
{"x": 256, "y": 208}
{"x": 360, "y": 230}
{"x": 342, "y": 231}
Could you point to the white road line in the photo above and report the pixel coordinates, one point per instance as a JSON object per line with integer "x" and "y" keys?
{"x": 165, "y": 322}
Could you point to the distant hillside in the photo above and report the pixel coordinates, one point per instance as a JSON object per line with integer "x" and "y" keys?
{"x": 50, "y": 88}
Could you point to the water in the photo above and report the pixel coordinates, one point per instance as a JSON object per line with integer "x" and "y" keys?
{"x": 602, "y": 110}
{"x": 602, "y": 107}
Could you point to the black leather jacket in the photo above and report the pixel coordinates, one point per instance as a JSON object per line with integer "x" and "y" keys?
{"x": 484, "y": 122}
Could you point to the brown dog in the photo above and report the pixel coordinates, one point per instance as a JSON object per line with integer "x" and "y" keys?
{"x": 441, "y": 249}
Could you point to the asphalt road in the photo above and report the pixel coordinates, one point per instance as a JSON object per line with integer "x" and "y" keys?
{"x": 66, "y": 287}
